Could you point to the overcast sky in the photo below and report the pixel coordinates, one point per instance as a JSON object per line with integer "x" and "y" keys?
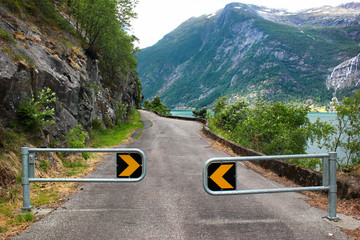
{"x": 156, "y": 18}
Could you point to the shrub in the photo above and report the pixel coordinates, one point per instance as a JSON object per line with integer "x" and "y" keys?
{"x": 97, "y": 124}
{"x": 44, "y": 164}
{"x": 13, "y": 5}
{"x": 345, "y": 133}
{"x": 76, "y": 138}
{"x": 272, "y": 128}
{"x": 157, "y": 106}
{"x": 120, "y": 112}
{"x": 200, "y": 113}
{"x": 35, "y": 113}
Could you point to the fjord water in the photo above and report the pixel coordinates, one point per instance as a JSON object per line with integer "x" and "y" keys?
{"x": 182, "y": 113}
{"x": 330, "y": 118}
{"x": 312, "y": 148}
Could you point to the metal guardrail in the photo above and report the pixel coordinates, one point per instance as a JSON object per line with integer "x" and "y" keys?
{"x": 28, "y": 169}
{"x": 328, "y": 176}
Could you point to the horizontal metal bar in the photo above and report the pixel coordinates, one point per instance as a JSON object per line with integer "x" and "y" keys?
{"x": 104, "y": 180}
{"x": 100, "y": 180}
{"x": 262, "y": 191}
{"x": 122, "y": 150}
{"x": 261, "y": 158}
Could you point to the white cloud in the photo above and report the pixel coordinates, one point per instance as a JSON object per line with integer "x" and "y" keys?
{"x": 156, "y": 18}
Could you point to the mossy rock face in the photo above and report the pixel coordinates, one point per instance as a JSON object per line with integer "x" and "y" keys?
{"x": 44, "y": 55}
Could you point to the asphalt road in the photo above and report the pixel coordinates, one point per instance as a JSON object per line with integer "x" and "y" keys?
{"x": 170, "y": 203}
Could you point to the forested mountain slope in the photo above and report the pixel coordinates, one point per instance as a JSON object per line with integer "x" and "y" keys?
{"x": 250, "y": 52}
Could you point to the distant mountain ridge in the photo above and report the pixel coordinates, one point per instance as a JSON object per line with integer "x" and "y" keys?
{"x": 246, "y": 51}
{"x": 327, "y": 16}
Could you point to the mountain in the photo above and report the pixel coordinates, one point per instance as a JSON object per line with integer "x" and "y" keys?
{"x": 247, "y": 51}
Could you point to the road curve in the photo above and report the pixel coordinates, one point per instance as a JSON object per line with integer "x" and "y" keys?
{"x": 170, "y": 203}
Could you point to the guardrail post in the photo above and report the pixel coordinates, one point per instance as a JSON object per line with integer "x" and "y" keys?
{"x": 333, "y": 187}
{"x": 25, "y": 179}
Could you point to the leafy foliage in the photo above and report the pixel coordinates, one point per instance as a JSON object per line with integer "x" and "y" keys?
{"x": 121, "y": 111}
{"x": 345, "y": 134}
{"x": 44, "y": 164}
{"x": 103, "y": 24}
{"x": 200, "y": 113}
{"x": 43, "y": 10}
{"x": 157, "y": 106}
{"x": 36, "y": 113}
{"x": 271, "y": 128}
{"x": 76, "y": 137}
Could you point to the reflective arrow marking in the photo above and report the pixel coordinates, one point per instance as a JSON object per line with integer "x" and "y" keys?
{"x": 217, "y": 176}
{"x": 133, "y": 165}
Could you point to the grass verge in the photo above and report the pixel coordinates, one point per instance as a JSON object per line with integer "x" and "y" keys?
{"x": 118, "y": 134}
{"x": 50, "y": 195}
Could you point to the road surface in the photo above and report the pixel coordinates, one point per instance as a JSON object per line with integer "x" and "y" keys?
{"x": 170, "y": 203}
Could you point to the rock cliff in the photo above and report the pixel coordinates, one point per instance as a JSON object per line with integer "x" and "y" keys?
{"x": 35, "y": 56}
{"x": 344, "y": 76}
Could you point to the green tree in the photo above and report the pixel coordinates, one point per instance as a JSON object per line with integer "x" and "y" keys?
{"x": 349, "y": 113}
{"x": 272, "y": 128}
{"x": 103, "y": 23}
{"x": 200, "y": 113}
{"x": 344, "y": 134}
{"x": 157, "y": 106}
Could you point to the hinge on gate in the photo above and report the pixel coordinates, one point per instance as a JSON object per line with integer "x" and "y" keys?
{"x": 32, "y": 158}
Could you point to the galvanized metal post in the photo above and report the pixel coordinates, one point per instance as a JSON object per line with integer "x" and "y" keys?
{"x": 333, "y": 188}
{"x": 25, "y": 179}
{"x": 325, "y": 171}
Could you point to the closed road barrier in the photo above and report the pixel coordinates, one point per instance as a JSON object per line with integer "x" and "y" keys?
{"x": 220, "y": 176}
{"x": 129, "y": 166}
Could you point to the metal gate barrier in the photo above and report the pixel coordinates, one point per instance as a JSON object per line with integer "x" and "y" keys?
{"x": 131, "y": 167}
{"x": 219, "y": 177}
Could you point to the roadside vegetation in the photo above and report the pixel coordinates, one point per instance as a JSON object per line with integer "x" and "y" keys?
{"x": 278, "y": 129}
{"x": 100, "y": 28}
{"x": 201, "y": 113}
{"x": 157, "y": 106}
{"x": 118, "y": 134}
{"x": 50, "y": 195}
{"x": 99, "y": 25}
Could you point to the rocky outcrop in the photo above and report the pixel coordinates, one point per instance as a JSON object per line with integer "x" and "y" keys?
{"x": 37, "y": 57}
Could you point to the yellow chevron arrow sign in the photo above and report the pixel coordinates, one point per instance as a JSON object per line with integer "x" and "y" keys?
{"x": 133, "y": 165}
{"x": 223, "y": 176}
